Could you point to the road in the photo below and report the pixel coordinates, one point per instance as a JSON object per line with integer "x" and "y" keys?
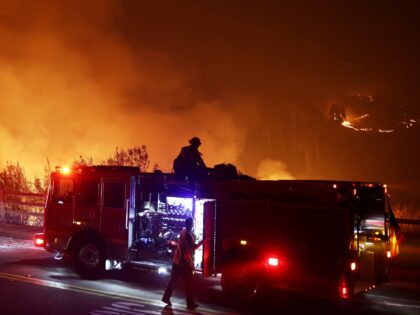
{"x": 32, "y": 282}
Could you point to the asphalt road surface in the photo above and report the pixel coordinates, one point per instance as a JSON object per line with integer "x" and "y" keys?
{"x": 32, "y": 282}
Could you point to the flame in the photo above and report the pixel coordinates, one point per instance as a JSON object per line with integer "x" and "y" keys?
{"x": 350, "y": 122}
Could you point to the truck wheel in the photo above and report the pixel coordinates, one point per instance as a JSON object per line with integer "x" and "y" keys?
{"x": 89, "y": 258}
{"x": 240, "y": 284}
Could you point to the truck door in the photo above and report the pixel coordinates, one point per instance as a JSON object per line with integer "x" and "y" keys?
{"x": 60, "y": 210}
{"x": 209, "y": 231}
{"x": 114, "y": 216}
{"x": 87, "y": 203}
{"x": 132, "y": 210}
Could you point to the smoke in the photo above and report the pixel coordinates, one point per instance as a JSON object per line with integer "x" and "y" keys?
{"x": 270, "y": 169}
{"x": 83, "y": 77}
{"x": 71, "y": 85}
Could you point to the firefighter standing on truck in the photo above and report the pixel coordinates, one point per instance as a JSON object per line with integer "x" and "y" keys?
{"x": 189, "y": 164}
{"x": 183, "y": 266}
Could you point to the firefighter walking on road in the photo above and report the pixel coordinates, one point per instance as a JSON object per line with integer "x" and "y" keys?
{"x": 183, "y": 266}
{"x": 189, "y": 164}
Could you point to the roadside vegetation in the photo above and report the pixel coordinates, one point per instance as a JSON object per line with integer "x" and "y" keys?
{"x": 13, "y": 177}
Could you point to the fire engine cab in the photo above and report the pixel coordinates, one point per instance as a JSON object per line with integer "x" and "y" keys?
{"x": 312, "y": 236}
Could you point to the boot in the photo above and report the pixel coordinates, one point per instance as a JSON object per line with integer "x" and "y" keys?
{"x": 166, "y": 298}
{"x": 191, "y": 305}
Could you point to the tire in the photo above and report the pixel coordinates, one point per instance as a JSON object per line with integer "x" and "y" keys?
{"x": 89, "y": 258}
{"x": 241, "y": 285}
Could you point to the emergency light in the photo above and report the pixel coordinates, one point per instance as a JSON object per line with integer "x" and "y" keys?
{"x": 39, "y": 239}
{"x": 63, "y": 170}
{"x": 273, "y": 261}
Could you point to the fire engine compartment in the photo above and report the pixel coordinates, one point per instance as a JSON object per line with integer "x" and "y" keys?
{"x": 159, "y": 219}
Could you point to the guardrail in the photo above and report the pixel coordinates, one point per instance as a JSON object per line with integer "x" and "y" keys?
{"x": 408, "y": 221}
{"x": 409, "y": 227}
{"x": 22, "y": 208}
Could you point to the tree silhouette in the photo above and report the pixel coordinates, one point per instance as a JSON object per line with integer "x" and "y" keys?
{"x": 82, "y": 161}
{"x": 13, "y": 178}
{"x": 135, "y": 156}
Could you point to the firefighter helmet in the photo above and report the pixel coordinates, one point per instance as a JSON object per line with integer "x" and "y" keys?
{"x": 195, "y": 141}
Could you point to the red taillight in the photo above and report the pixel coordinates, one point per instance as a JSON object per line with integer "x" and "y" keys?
{"x": 353, "y": 266}
{"x": 343, "y": 290}
{"x": 39, "y": 240}
{"x": 273, "y": 261}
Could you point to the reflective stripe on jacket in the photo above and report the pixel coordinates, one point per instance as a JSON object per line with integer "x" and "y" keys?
{"x": 183, "y": 255}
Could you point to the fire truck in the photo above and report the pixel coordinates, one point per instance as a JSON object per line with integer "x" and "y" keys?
{"x": 325, "y": 237}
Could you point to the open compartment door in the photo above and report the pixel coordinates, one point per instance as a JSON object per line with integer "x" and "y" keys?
{"x": 209, "y": 248}
{"x": 131, "y": 211}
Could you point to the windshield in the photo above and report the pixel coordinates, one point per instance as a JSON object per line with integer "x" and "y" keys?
{"x": 62, "y": 191}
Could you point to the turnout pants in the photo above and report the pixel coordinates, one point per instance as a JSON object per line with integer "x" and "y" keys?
{"x": 186, "y": 273}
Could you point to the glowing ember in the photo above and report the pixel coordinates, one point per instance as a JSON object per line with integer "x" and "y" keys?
{"x": 374, "y": 118}
{"x": 350, "y": 123}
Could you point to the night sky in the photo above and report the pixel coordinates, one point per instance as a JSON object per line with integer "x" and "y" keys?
{"x": 255, "y": 80}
